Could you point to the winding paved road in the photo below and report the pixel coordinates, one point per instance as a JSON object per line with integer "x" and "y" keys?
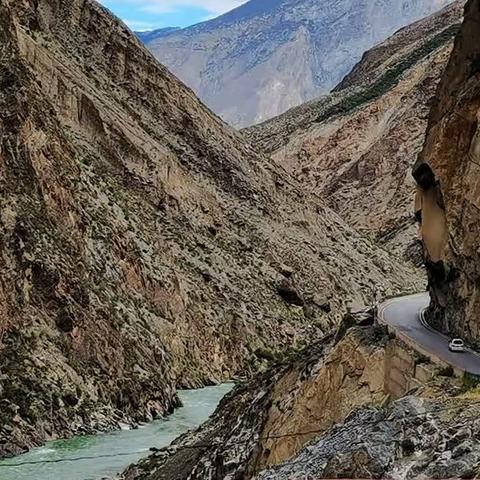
{"x": 403, "y": 314}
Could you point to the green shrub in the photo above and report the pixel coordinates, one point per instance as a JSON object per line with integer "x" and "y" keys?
{"x": 446, "y": 371}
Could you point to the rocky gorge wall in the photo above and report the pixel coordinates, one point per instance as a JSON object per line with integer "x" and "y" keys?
{"x": 412, "y": 438}
{"x": 448, "y": 178}
{"x": 144, "y": 245}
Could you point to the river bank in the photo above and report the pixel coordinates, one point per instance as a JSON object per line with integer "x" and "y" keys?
{"x": 102, "y": 456}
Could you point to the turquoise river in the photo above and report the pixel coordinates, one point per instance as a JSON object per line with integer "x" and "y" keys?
{"x": 111, "y": 453}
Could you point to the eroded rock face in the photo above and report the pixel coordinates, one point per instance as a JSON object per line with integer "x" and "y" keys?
{"x": 141, "y": 239}
{"x": 413, "y": 438}
{"x": 356, "y": 146}
{"x": 448, "y": 175}
{"x": 270, "y": 419}
{"x": 266, "y": 56}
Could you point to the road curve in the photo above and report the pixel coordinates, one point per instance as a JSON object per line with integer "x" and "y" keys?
{"x": 403, "y": 314}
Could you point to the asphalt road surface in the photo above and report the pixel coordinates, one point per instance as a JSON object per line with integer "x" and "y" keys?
{"x": 403, "y": 314}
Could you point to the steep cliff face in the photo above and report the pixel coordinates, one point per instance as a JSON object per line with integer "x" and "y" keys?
{"x": 265, "y": 57}
{"x": 448, "y": 201}
{"x": 355, "y": 147}
{"x": 144, "y": 245}
{"x": 270, "y": 419}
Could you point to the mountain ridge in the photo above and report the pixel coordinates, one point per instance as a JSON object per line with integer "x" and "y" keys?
{"x": 263, "y": 58}
{"x": 149, "y": 35}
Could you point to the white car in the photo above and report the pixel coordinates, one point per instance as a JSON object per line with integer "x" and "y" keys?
{"x": 456, "y": 345}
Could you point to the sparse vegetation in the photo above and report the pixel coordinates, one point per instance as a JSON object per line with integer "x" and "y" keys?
{"x": 388, "y": 80}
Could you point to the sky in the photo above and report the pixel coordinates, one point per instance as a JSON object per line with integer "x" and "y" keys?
{"x": 151, "y": 14}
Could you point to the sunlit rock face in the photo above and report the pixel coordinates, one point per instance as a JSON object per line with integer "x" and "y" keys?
{"x": 448, "y": 175}
{"x": 268, "y": 56}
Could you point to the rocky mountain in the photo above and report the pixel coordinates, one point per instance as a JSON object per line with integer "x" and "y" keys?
{"x": 415, "y": 437}
{"x": 361, "y": 403}
{"x": 355, "y": 147}
{"x": 267, "y": 56}
{"x": 448, "y": 200}
{"x": 145, "y": 246}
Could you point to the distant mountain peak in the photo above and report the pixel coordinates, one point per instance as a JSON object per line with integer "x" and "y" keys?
{"x": 267, "y": 56}
{"x": 151, "y": 35}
